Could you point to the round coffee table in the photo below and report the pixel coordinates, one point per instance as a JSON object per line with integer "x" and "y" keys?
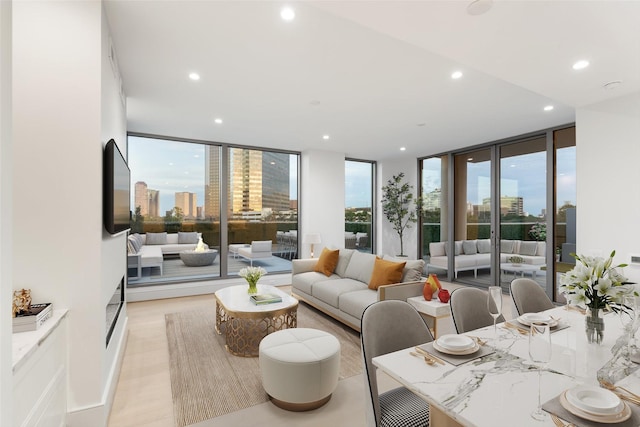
{"x": 198, "y": 259}
{"x": 244, "y": 323}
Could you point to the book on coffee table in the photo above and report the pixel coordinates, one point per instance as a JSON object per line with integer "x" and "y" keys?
{"x": 260, "y": 299}
{"x": 33, "y": 318}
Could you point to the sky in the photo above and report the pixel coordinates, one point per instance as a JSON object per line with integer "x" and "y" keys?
{"x": 175, "y": 167}
{"x": 521, "y": 176}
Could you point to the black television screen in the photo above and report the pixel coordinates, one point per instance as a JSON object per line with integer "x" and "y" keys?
{"x": 117, "y": 177}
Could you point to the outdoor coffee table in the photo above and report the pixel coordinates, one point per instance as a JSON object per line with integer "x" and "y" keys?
{"x": 508, "y": 267}
{"x": 244, "y": 323}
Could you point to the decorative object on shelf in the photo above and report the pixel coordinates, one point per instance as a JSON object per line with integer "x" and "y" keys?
{"x": 21, "y": 301}
{"x": 399, "y": 206}
{"x": 431, "y": 287}
{"x": 516, "y": 261}
{"x": 252, "y": 275}
{"x": 538, "y": 232}
{"x": 597, "y": 285}
{"x": 443, "y": 295}
{"x": 558, "y": 253}
{"x": 200, "y": 247}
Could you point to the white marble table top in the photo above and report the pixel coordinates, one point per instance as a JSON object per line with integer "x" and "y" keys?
{"x": 236, "y": 299}
{"x": 501, "y": 389}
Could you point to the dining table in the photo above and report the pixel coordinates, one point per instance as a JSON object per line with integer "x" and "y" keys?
{"x": 498, "y": 385}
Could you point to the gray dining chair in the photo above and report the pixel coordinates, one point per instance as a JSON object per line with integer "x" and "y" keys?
{"x": 389, "y": 326}
{"x": 529, "y": 297}
{"x": 469, "y": 309}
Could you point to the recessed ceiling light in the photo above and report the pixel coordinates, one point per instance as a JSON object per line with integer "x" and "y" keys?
{"x": 403, "y": 148}
{"x": 478, "y": 7}
{"x": 218, "y": 120}
{"x": 548, "y": 108}
{"x": 325, "y": 136}
{"x": 583, "y": 63}
{"x": 469, "y": 159}
{"x": 315, "y": 102}
{"x": 421, "y": 124}
{"x": 194, "y": 76}
{"x": 456, "y": 75}
{"x": 287, "y": 14}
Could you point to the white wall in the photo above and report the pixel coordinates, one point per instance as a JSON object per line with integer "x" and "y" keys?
{"x": 322, "y": 199}
{"x": 388, "y": 242}
{"x": 64, "y": 110}
{"x": 6, "y": 161}
{"x": 608, "y": 205}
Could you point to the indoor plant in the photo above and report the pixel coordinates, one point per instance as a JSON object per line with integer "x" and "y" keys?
{"x": 597, "y": 285}
{"x": 252, "y": 275}
{"x": 399, "y": 206}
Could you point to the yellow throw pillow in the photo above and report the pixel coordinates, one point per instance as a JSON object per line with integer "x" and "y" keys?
{"x": 327, "y": 262}
{"x": 385, "y": 273}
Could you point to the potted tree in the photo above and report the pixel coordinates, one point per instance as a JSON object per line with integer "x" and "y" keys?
{"x": 399, "y": 206}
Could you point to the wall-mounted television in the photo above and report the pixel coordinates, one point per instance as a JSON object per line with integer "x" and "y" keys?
{"x": 116, "y": 192}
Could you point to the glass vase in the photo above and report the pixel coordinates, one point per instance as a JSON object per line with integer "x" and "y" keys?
{"x": 253, "y": 288}
{"x": 594, "y": 325}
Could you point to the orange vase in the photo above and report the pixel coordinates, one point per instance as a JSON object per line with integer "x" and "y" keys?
{"x": 427, "y": 292}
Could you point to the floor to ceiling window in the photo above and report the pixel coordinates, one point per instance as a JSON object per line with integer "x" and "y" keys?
{"x": 358, "y": 215}
{"x": 504, "y": 222}
{"x": 181, "y": 195}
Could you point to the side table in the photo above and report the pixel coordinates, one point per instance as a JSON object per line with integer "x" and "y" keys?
{"x": 431, "y": 311}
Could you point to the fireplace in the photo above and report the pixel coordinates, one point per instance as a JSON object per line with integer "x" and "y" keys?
{"x": 114, "y": 306}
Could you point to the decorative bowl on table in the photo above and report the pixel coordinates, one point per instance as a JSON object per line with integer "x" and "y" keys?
{"x": 516, "y": 261}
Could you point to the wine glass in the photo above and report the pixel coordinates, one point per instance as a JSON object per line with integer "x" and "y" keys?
{"x": 540, "y": 354}
{"x": 628, "y": 317}
{"x": 494, "y": 304}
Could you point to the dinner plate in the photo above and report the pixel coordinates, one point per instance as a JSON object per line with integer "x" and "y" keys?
{"x": 455, "y": 342}
{"x": 528, "y": 318}
{"x": 594, "y": 400}
{"x": 471, "y": 350}
{"x": 624, "y": 414}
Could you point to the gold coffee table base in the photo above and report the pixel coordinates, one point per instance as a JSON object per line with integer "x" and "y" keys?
{"x": 244, "y": 330}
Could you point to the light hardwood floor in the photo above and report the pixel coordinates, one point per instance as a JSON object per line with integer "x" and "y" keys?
{"x": 143, "y": 394}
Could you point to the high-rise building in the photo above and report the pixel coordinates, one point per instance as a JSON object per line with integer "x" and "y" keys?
{"x": 141, "y": 198}
{"x": 431, "y": 200}
{"x": 258, "y": 182}
{"x": 509, "y": 205}
{"x": 212, "y": 182}
{"x": 154, "y": 203}
{"x": 187, "y": 202}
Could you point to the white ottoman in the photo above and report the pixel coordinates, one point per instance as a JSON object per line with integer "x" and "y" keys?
{"x": 299, "y": 367}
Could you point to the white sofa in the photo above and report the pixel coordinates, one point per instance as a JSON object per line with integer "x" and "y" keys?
{"x": 476, "y": 254}
{"x": 148, "y": 250}
{"x": 345, "y": 294}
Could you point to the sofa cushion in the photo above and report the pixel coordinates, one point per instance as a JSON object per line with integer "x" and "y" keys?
{"x": 469, "y": 247}
{"x": 329, "y": 291}
{"x": 413, "y": 268}
{"x": 140, "y": 238}
{"x": 436, "y": 249}
{"x": 156, "y": 239}
{"x": 305, "y": 281}
{"x": 484, "y": 246}
{"x": 134, "y": 243}
{"x": 191, "y": 237}
{"x": 528, "y": 248}
{"x": 457, "y": 246}
{"x": 343, "y": 261}
{"x": 360, "y": 267}
{"x": 542, "y": 247}
{"x": 354, "y": 303}
{"x": 327, "y": 262}
{"x": 506, "y": 246}
{"x": 151, "y": 256}
{"x": 385, "y": 273}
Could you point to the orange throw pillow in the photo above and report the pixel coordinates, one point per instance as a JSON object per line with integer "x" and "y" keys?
{"x": 385, "y": 273}
{"x": 327, "y": 262}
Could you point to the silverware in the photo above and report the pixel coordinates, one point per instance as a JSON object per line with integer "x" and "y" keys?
{"x": 480, "y": 342}
{"x": 557, "y": 421}
{"x": 630, "y": 397}
{"x": 426, "y": 354}
{"x": 517, "y": 328}
{"x": 427, "y": 360}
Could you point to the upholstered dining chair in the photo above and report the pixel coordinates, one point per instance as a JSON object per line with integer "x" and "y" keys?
{"x": 469, "y": 309}
{"x": 529, "y": 297}
{"x": 388, "y": 326}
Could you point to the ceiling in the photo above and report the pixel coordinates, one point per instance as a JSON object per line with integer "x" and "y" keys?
{"x": 374, "y": 76}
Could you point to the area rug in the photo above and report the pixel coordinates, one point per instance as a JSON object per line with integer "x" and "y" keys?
{"x": 207, "y": 381}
